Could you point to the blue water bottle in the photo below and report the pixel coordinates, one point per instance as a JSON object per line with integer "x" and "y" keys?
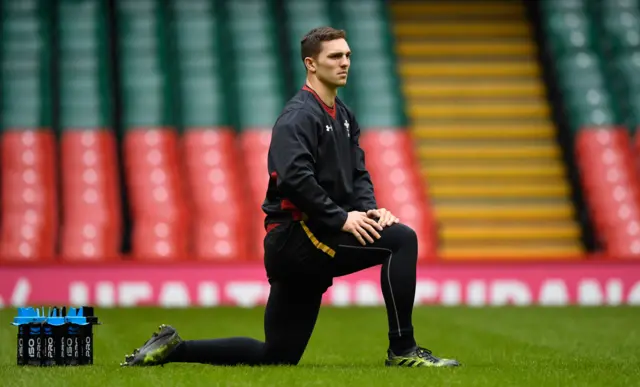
{"x": 53, "y": 338}
{"x": 73, "y": 322}
{"x": 35, "y": 339}
{"x": 25, "y": 317}
{"x": 86, "y": 331}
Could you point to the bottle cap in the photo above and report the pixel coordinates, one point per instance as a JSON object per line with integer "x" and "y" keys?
{"x": 55, "y": 317}
{"x": 27, "y": 316}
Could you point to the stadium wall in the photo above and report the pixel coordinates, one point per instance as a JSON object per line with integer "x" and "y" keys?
{"x": 599, "y": 281}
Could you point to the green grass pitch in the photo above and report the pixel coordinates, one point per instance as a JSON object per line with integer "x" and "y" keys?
{"x": 497, "y": 346}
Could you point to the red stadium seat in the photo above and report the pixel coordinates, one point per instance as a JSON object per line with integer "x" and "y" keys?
{"x": 215, "y": 185}
{"x": 612, "y": 188}
{"x": 398, "y": 185}
{"x": 636, "y": 149}
{"x": 255, "y": 148}
{"x": 29, "y": 199}
{"x": 156, "y": 194}
{"x": 156, "y": 240}
{"x": 91, "y": 215}
{"x": 220, "y": 240}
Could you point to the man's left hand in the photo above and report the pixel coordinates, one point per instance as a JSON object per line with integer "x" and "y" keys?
{"x": 385, "y": 217}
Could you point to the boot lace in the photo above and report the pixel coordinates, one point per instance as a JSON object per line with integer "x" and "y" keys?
{"x": 426, "y": 354}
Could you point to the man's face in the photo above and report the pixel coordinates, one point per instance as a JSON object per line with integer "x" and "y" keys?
{"x": 332, "y": 64}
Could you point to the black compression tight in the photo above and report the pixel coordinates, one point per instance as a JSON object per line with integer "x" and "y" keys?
{"x": 291, "y": 313}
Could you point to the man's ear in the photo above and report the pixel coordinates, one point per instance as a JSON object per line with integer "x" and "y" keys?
{"x": 310, "y": 64}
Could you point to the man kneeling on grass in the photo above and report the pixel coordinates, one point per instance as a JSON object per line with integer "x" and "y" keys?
{"x": 322, "y": 222}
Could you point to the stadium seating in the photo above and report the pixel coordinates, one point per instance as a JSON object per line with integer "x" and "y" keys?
{"x": 90, "y": 201}
{"x": 373, "y": 91}
{"x": 29, "y": 207}
{"x": 91, "y": 219}
{"x": 260, "y": 95}
{"x": 483, "y": 131}
{"x": 29, "y": 211}
{"x": 208, "y": 147}
{"x": 579, "y": 70}
{"x": 302, "y": 16}
{"x": 619, "y": 22}
{"x": 153, "y": 166}
{"x": 612, "y": 186}
{"x": 214, "y": 182}
{"x": 255, "y": 148}
{"x": 156, "y": 194}
{"x": 592, "y": 46}
{"x": 155, "y": 115}
{"x": 255, "y": 54}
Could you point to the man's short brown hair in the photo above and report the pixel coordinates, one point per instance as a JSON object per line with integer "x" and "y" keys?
{"x": 311, "y": 43}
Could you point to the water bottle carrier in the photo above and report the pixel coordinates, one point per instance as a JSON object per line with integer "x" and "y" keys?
{"x": 59, "y": 337}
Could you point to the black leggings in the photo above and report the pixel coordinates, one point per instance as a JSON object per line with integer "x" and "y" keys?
{"x": 300, "y": 267}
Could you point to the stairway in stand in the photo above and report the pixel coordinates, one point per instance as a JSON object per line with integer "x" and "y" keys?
{"x": 482, "y": 127}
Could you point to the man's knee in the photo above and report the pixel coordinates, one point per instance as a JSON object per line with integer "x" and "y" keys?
{"x": 402, "y": 236}
{"x": 408, "y": 234}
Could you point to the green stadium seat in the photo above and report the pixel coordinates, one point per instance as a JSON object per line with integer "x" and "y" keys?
{"x": 619, "y": 4}
{"x": 582, "y": 116}
{"x": 580, "y": 67}
{"x": 302, "y": 16}
{"x": 84, "y": 73}
{"x": 617, "y": 26}
{"x": 200, "y": 74}
{"x": 569, "y": 31}
{"x": 26, "y": 71}
{"x": 257, "y": 63}
{"x": 621, "y": 30}
{"x": 554, "y": 6}
{"x": 586, "y": 91}
{"x": 145, "y": 99}
{"x": 145, "y": 68}
{"x": 373, "y": 90}
{"x": 589, "y": 97}
{"x": 626, "y": 80}
{"x": 632, "y": 119}
{"x": 202, "y": 104}
{"x": 581, "y": 80}
{"x": 26, "y": 59}
{"x": 625, "y": 71}
{"x": 628, "y": 66}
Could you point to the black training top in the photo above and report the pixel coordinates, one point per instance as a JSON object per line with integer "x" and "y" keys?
{"x": 316, "y": 166}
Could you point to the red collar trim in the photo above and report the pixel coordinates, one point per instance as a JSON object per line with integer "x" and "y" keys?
{"x": 329, "y": 109}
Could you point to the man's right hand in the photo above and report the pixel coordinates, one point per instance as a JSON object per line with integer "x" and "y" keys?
{"x": 362, "y": 227}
